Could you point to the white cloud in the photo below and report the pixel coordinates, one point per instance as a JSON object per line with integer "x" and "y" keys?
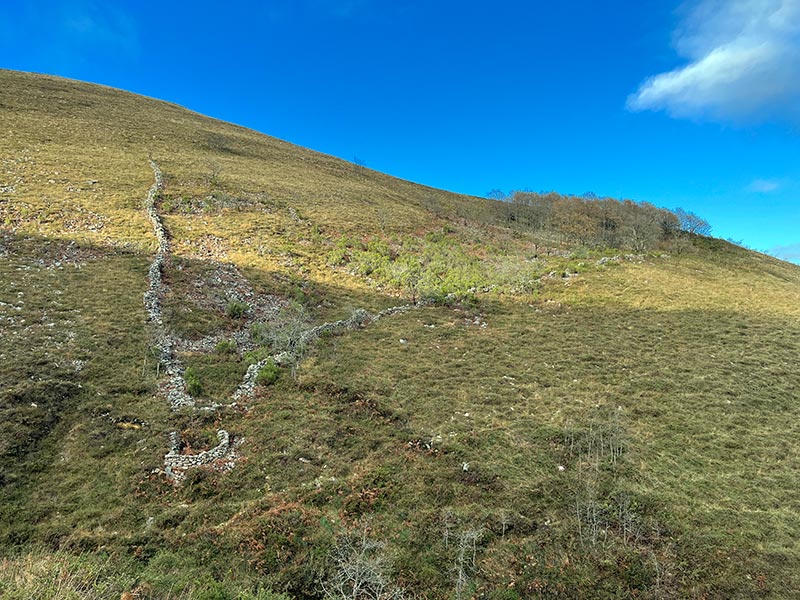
{"x": 790, "y": 253}
{"x": 763, "y": 186}
{"x": 744, "y": 63}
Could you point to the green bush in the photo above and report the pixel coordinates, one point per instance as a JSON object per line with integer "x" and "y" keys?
{"x": 225, "y": 347}
{"x": 252, "y": 357}
{"x": 193, "y": 384}
{"x": 341, "y": 253}
{"x": 236, "y": 309}
{"x": 268, "y": 374}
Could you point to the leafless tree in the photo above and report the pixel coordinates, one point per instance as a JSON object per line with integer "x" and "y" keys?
{"x": 360, "y": 165}
{"x": 691, "y": 223}
{"x": 360, "y": 569}
{"x": 496, "y": 194}
{"x": 464, "y": 566}
{"x": 214, "y": 170}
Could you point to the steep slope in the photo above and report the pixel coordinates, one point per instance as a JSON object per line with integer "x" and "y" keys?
{"x": 554, "y": 420}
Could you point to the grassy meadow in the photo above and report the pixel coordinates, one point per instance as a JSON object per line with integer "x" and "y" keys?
{"x": 564, "y": 421}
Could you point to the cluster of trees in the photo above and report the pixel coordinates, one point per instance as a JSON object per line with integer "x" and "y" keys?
{"x": 592, "y": 221}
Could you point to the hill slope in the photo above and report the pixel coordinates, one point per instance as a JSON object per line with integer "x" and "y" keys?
{"x": 554, "y": 420}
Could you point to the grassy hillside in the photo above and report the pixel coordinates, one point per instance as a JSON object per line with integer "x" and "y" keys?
{"x": 556, "y": 420}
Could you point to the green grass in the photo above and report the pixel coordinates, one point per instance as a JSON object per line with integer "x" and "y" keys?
{"x": 626, "y": 432}
{"x": 89, "y": 576}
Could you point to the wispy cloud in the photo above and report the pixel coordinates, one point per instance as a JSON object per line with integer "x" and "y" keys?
{"x": 790, "y": 253}
{"x": 744, "y": 60}
{"x": 98, "y": 24}
{"x": 763, "y": 186}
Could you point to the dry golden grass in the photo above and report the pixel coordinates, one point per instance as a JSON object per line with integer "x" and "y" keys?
{"x": 659, "y": 393}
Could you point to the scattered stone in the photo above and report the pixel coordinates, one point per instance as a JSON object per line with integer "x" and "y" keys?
{"x": 607, "y": 260}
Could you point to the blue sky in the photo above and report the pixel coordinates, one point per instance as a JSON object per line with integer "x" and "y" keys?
{"x": 693, "y": 104}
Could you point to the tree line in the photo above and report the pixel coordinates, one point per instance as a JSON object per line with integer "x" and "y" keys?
{"x": 591, "y": 221}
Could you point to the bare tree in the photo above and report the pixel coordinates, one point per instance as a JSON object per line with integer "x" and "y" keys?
{"x": 464, "y": 566}
{"x": 214, "y": 170}
{"x": 286, "y": 331}
{"x": 360, "y": 567}
{"x": 360, "y": 165}
{"x": 692, "y": 223}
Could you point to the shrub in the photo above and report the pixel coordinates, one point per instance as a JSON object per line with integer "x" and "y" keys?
{"x": 285, "y": 333}
{"x": 268, "y": 374}
{"x": 193, "y": 384}
{"x": 341, "y": 253}
{"x": 225, "y": 347}
{"x": 252, "y": 357}
{"x": 236, "y": 309}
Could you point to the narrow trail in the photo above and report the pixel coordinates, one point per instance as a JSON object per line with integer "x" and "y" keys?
{"x": 223, "y": 456}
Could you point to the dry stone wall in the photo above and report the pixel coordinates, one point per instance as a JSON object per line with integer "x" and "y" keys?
{"x": 175, "y": 386}
{"x": 224, "y": 454}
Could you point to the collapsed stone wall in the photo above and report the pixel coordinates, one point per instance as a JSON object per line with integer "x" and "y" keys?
{"x": 175, "y": 386}
{"x": 222, "y": 456}
{"x": 248, "y": 385}
{"x": 358, "y": 319}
